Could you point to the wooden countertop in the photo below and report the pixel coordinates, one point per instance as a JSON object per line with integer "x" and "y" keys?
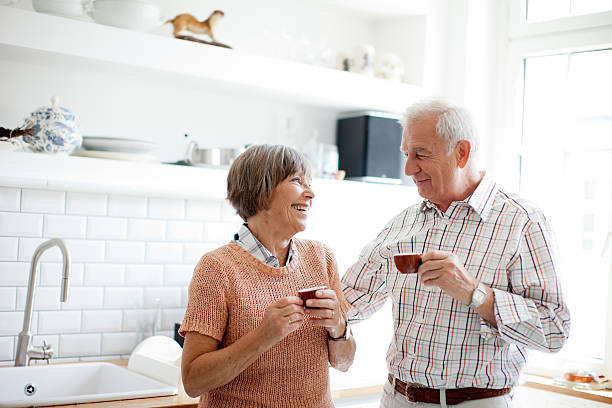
{"x": 183, "y": 400}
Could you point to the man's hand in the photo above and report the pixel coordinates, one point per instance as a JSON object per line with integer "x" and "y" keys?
{"x": 444, "y": 270}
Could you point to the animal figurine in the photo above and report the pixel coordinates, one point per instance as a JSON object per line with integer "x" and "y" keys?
{"x": 188, "y": 22}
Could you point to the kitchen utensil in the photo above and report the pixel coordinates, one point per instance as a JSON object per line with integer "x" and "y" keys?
{"x": 64, "y": 8}
{"x": 54, "y": 130}
{"x": 133, "y": 14}
{"x": 118, "y": 144}
{"x": 211, "y": 156}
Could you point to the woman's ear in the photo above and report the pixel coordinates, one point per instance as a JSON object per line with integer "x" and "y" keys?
{"x": 462, "y": 152}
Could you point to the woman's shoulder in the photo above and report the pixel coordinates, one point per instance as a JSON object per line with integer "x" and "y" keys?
{"x": 215, "y": 257}
{"x": 306, "y": 244}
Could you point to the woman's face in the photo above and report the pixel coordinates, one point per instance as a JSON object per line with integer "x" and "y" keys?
{"x": 290, "y": 203}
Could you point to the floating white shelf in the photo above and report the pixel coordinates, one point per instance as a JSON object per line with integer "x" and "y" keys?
{"x": 33, "y": 37}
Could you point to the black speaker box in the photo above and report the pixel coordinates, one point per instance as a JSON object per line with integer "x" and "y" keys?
{"x": 369, "y": 147}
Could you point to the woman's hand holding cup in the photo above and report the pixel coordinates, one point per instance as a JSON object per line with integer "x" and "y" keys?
{"x": 282, "y": 318}
{"x": 324, "y": 310}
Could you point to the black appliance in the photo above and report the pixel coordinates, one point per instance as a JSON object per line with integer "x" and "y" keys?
{"x": 369, "y": 147}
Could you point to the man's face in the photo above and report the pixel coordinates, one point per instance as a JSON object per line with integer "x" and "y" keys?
{"x": 433, "y": 170}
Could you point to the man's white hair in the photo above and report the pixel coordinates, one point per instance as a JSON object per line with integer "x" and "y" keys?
{"x": 454, "y": 122}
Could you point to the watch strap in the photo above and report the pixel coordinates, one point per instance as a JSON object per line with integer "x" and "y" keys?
{"x": 346, "y": 336}
{"x": 478, "y": 296}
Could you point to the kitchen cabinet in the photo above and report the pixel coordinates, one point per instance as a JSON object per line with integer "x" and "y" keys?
{"x": 99, "y": 48}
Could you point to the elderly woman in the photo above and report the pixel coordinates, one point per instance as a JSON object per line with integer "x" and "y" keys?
{"x": 250, "y": 341}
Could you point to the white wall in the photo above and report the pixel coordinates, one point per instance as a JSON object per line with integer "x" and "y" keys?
{"x": 122, "y": 103}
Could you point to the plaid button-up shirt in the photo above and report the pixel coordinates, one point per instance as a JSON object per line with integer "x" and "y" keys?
{"x": 506, "y": 243}
{"x": 251, "y": 244}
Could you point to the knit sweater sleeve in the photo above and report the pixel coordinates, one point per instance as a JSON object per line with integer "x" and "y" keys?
{"x": 207, "y": 310}
{"x": 334, "y": 279}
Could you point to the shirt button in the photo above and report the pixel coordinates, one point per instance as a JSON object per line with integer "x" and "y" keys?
{"x": 419, "y": 320}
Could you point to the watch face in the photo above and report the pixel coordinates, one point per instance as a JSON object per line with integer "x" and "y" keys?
{"x": 478, "y": 297}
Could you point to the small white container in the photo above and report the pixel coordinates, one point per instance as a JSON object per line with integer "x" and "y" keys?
{"x": 133, "y": 14}
{"x": 64, "y": 8}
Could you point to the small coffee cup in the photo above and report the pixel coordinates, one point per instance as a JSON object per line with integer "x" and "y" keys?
{"x": 310, "y": 293}
{"x": 407, "y": 263}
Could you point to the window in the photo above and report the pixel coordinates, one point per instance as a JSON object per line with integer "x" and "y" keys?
{"x": 562, "y": 123}
{"x": 538, "y": 10}
{"x": 566, "y": 168}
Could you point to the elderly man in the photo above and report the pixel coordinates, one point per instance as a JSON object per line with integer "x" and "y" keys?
{"x": 487, "y": 288}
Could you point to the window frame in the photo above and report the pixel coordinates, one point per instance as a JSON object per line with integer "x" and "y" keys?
{"x": 589, "y": 32}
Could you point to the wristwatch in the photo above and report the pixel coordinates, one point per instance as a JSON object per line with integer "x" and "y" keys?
{"x": 346, "y": 336}
{"x": 478, "y": 296}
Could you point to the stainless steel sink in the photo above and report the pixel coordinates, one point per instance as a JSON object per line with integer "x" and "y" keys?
{"x": 75, "y": 383}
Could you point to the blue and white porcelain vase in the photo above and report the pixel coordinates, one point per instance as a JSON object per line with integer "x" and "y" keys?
{"x": 54, "y": 130}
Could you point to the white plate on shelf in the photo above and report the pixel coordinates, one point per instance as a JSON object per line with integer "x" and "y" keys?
{"x": 140, "y": 157}
{"x": 118, "y": 144}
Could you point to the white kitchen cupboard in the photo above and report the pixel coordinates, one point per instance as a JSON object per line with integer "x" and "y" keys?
{"x": 31, "y": 37}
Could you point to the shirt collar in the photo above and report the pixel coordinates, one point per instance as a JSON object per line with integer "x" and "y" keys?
{"x": 481, "y": 199}
{"x": 247, "y": 240}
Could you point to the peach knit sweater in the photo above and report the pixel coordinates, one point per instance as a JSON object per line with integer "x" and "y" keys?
{"x": 228, "y": 295}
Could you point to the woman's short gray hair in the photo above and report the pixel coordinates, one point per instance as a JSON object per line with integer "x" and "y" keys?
{"x": 256, "y": 173}
{"x": 454, "y": 122}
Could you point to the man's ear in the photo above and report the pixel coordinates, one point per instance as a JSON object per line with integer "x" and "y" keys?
{"x": 462, "y": 152}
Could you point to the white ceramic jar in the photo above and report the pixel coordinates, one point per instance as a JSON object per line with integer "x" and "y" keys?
{"x": 54, "y": 130}
{"x": 133, "y": 14}
{"x": 64, "y": 8}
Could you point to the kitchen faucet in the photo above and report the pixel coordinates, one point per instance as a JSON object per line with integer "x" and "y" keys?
{"x": 26, "y": 351}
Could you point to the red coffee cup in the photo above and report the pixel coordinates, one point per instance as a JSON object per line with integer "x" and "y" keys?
{"x": 310, "y": 293}
{"x": 407, "y": 263}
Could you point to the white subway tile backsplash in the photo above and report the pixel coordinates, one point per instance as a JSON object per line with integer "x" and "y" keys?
{"x": 7, "y": 350}
{"x": 12, "y": 323}
{"x": 177, "y": 275}
{"x": 20, "y": 224}
{"x": 65, "y": 226}
{"x": 127, "y": 206}
{"x": 8, "y": 249}
{"x": 164, "y": 252}
{"x": 146, "y": 230}
{"x": 76, "y": 345}
{"x": 125, "y": 252}
{"x": 51, "y": 274}
{"x": 123, "y": 297}
{"x": 166, "y": 208}
{"x": 10, "y": 199}
{"x": 171, "y": 316}
{"x": 193, "y": 252}
{"x": 119, "y": 343}
{"x": 104, "y": 274}
{"x": 106, "y": 228}
{"x": 14, "y": 273}
{"x": 140, "y": 320}
{"x": 59, "y": 322}
{"x": 85, "y": 203}
{"x": 27, "y": 246}
{"x": 45, "y": 298}
{"x": 102, "y": 321}
{"x": 203, "y": 210}
{"x": 185, "y": 231}
{"x": 43, "y": 201}
{"x": 84, "y": 298}
{"x": 8, "y": 299}
{"x": 168, "y": 296}
{"x": 220, "y": 232}
{"x": 86, "y": 250}
{"x": 144, "y": 275}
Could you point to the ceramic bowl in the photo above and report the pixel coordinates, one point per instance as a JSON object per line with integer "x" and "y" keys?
{"x": 54, "y": 130}
{"x": 133, "y": 14}
{"x": 65, "y": 8}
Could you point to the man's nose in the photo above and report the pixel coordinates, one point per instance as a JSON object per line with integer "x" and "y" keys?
{"x": 411, "y": 168}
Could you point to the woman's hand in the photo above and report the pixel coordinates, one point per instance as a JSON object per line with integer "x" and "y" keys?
{"x": 325, "y": 311}
{"x": 281, "y": 318}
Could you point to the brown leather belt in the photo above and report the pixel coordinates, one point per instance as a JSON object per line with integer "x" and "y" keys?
{"x": 416, "y": 393}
